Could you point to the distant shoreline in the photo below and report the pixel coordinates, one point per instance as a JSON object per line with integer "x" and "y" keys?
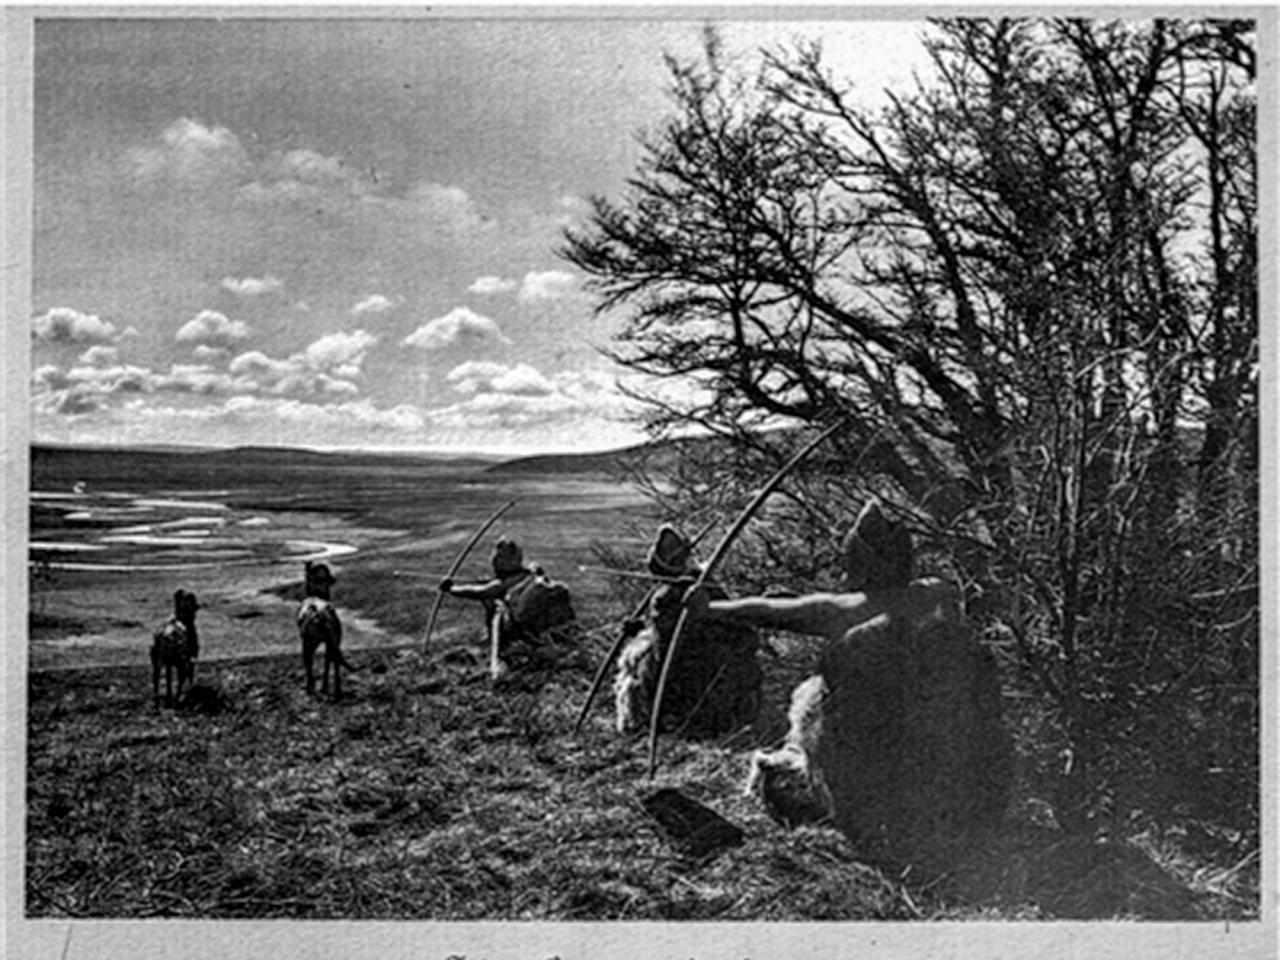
{"x": 134, "y": 537}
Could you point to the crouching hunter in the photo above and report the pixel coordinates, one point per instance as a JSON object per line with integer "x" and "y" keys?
{"x": 520, "y": 602}
{"x": 715, "y": 683}
{"x": 897, "y": 740}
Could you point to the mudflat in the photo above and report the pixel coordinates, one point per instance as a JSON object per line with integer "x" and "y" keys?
{"x": 114, "y": 533}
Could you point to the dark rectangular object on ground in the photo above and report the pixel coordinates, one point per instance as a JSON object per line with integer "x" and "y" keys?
{"x": 696, "y": 829}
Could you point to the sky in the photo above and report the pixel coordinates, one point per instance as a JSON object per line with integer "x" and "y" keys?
{"x": 341, "y": 232}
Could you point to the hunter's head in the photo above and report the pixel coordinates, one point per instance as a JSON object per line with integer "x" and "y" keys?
{"x": 876, "y": 553}
{"x": 669, "y": 555}
{"x": 508, "y": 558}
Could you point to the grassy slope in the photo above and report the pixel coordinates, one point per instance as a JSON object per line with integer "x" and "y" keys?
{"x": 425, "y": 793}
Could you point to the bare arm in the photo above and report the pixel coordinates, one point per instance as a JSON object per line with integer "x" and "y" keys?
{"x": 823, "y": 614}
{"x": 819, "y": 614}
{"x": 487, "y": 590}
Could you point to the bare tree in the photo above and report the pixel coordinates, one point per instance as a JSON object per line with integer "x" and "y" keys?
{"x": 1002, "y": 279}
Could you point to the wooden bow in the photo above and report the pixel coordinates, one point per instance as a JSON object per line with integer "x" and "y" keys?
{"x": 717, "y": 555}
{"x": 622, "y": 636}
{"x": 457, "y": 564}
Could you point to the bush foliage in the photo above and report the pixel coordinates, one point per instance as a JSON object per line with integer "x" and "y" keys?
{"x": 1029, "y": 287}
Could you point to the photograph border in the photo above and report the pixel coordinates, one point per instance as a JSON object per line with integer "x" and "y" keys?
{"x": 81, "y": 939}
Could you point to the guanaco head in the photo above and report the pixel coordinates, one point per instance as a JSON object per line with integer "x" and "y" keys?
{"x": 319, "y": 580}
{"x": 185, "y": 606}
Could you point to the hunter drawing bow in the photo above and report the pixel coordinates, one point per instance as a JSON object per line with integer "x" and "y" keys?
{"x": 622, "y": 636}
{"x": 717, "y": 555}
{"x": 457, "y": 564}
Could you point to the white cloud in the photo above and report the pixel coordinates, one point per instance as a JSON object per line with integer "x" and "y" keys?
{"x": 54, "y": 392}
{"x": 425, "y": 213}
{"x": 64, "y": 325}
{"x": 257, "y": 365}
{"x": 305, "y": 166}
{"x": 239, "y": 420}
{"x": 306, "y": 174}
{"x": 339, "y": 353}
{"x": 353, "y": 423}
{"x": 199, "y": 379}
{"x": 113, "y": 378}
{"x": 547, "y": 285}
{"x": 358, "y": 413}
{"x": 520, "y": 419}
{"x": 49, "y": 377}
{"x": 447, "y": 207}
{"x": 490, "y": 285}
{"x": 212, "y": 329}
{"x": 325, "y": 368}
{"x": 459, "y": 325}
{"x": 100, "y": 356}
{"x": 87, "y": 387}
{"x": 293, "y": 383}
{"x": 490, "y": 411}
{"x": 512, "y": 403}
{"x": 587, "y": 384}
{"x": 479, "y": 376}
{"x": 70, "y": 403}
{"x": 252, "y": 286}
{"x": 376, "y": 303}
{"x": 189, "y": 153}
{"x": 581, "y": 410}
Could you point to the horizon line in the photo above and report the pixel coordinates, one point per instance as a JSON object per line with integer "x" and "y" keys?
{"x": 179, "y": 446}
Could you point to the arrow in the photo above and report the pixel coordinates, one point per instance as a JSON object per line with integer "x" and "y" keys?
{"x": 630, "y": 574}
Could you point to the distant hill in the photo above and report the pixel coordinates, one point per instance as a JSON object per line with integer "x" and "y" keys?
{"x": 61, "y": 467}
{"x": 607, "y": 462}
{"x": 96, "y": 462}
{"x": 258, "y": 454}
{"x": 267, "y": 454}
{"x": 656, "y": 455}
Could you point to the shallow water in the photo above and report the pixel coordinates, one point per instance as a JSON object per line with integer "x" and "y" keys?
{"x": 114, "y": 534}
{"x": 118, "y": 531}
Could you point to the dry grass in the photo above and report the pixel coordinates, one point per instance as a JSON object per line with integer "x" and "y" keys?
{"x": 426, "y": 793}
